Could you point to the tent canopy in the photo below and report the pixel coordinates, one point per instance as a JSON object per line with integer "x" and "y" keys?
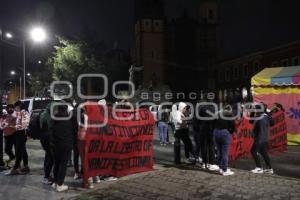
{"x": 277, "y": 76}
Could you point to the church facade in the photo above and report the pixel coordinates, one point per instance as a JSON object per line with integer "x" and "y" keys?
{"x": 180, "y": 53}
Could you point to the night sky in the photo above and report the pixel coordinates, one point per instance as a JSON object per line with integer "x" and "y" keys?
{"x": 245, "y": 26}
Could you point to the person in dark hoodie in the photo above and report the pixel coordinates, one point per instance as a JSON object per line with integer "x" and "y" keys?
{"x": 206, "y": 138}
{"x": 224, "y": 127}
{"x": 62, "y": 145}
{"x": 46, "y": 125}
{"x": 261, "y": 128}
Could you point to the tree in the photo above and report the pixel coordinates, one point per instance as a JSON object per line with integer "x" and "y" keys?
{"x": 73, "y": 58}
{"x": 39, "y": 82}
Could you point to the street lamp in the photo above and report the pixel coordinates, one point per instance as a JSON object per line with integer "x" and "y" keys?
{"x": 37, "y": 34}
{"x": 13, "y": 73}
{"x": 8, "y": 35}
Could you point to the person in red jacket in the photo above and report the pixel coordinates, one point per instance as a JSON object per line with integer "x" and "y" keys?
{"x": 7, "y": 124}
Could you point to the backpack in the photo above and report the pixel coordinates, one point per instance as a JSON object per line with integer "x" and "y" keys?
{"x": 34, "y": 129}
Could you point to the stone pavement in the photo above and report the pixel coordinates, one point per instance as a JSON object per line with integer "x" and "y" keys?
{"x": 165, "y": 182}
{"x": 195, "y": 184}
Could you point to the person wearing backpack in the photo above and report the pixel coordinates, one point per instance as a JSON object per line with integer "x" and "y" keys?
{"x": 46, "y": 125}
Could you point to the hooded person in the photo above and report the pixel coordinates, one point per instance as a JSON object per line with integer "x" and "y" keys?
{"x": 46, "y": 124}
{"x": 205, "y": 126}
{"x": 182, "y": 132}
{"x": 173, "y": 116}
{"x": 261, "y": 129}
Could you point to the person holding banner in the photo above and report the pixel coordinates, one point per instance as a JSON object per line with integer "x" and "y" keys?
{"x": 261, "y": 129}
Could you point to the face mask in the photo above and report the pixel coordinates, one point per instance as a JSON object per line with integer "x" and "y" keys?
{"x": 10, "y": 111}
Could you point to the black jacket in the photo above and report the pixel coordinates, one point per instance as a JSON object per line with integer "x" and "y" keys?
{"x": 63, "y": 133}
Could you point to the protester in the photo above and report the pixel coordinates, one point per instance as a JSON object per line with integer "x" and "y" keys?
{"x": 163, "y": 119}
{"x": 196, "y": 133}
{"x": 276, "y": 107}
{"x": 2, "y": 164}
{"x": 22, "y": 122}
{"x": 46, "y": 125}
{"x": 62, "y": 145}
{"x": 261, "y": 129}
{"x": 206, "y": 127}
{"x": 224, "y": 127}
{"x": 8, "y": 125}
{"x": 182, "y": 132}
{"x": 82, "y": 139}
{"x": 76, "y": 154}
{"x": 173, "y": 116}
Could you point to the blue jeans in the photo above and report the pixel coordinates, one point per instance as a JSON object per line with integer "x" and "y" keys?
{"x": 222, "y": 140}
{"x": 163, "y": 131}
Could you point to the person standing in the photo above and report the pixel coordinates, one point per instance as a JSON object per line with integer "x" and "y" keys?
{"x": 22, "y": 122}
{"x": 224, "y": 127}
{"x": 2, "y": 164}
{"x": 182, "y": 132}
{"x": 62, "y": 145}
{"x": 46, "y": 125}
{"x": 163, "y": 127}
{"x": 8, "y": 125}
{"x": 261, "y": 128}
{"x": 206, "y": 128}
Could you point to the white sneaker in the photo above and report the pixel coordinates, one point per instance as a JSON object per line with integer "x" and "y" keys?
{"x": 214, "y": 168}
{"x": 199, "y": 159}
{"x": 96, "y": 179}
{"x": 76, "y": 176}
{"x": 269, "y": 171}
{"x": 111, "y": 178}
{"x": 90, "y": 183}
{"x": 61, "y": 188}
{"x": 54, "y": 186}
{"x": 228, "y": 173}
{"x": 257, "y": 170}
{"x": 221, "y": 171}
{"x": 203, "y": 166}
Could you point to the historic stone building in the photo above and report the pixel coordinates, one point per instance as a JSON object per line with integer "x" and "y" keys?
{"x": 180, "y": 53}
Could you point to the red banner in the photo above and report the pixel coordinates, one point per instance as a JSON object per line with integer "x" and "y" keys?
{"x": 121, "y": 146}
{"x": 242, "y": 139}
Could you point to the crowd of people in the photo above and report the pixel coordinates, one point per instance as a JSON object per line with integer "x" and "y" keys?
{"x": 59, "y": 138}
{"x": 212, "y": 137}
